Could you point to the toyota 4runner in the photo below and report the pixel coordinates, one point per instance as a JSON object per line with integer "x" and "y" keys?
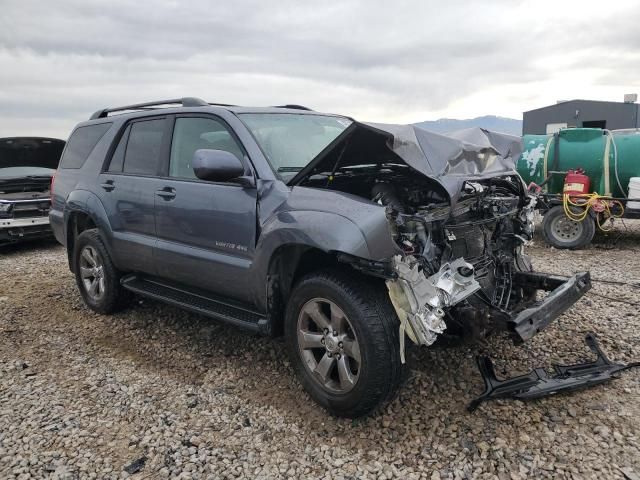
{"x": 344, "y": 237}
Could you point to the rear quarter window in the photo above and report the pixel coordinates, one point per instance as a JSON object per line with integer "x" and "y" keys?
{"x": 81, "y": 143}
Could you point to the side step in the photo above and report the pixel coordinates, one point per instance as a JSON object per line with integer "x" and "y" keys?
{"x": 204, "y": 304}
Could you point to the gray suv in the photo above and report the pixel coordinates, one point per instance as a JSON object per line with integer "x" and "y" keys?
{"x": 347, "y": 238}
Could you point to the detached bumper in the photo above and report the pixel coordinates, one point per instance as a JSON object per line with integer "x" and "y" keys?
{"x": 564, "y": 293}
{"x": 539, "y": 383}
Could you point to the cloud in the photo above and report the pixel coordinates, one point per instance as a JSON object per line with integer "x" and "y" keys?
{"x": 382, "y": 61}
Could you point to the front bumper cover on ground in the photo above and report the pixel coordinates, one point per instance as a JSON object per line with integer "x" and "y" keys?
{"x": 538, "y": 383}
{"x": 564, "y": 293}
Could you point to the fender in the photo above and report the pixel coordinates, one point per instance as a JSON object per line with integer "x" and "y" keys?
{"x": 333, "y": 220}
{"x": 354, "y": 227}
{"x": 86, "y": 202}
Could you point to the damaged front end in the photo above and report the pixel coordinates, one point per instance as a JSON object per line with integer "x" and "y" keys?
{"x": 463, "y": 267}
{"x": 460, "y": 217}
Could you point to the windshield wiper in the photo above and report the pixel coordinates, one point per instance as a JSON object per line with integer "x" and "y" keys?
{"x": 289, "y": 169}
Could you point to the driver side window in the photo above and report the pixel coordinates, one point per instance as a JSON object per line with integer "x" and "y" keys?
{"x": 195, "y": 133}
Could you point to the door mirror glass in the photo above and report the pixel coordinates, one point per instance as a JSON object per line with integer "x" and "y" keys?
{"x": 216, "y": 165}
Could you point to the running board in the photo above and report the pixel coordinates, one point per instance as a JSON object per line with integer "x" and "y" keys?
{"x": 199, "y": 302}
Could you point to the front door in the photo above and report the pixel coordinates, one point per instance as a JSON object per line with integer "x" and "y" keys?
{"x": 205, "y": 230}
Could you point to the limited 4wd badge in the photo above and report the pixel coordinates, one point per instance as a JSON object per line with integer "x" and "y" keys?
{"x": 231, "y": 246}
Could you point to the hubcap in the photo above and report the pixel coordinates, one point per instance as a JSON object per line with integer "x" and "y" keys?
{"x": 92, "y": 272}
{"x": 565, "y": 229}
{"x": 328, "y": 345}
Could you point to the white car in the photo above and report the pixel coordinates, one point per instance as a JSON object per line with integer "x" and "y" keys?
{"x": 27, "y": 166}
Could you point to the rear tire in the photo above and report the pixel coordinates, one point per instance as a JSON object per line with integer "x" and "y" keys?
{"x": 96, "y": 276}
{"x": 360, "y": 324}
{"x": 561, "y": 232}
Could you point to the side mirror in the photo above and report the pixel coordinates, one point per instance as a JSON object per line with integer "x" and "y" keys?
{"x": 216, "y": 165}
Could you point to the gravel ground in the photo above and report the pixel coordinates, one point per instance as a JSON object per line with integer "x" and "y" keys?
{"x": 85, "y": 396}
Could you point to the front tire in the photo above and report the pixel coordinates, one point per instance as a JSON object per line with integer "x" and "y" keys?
{"x": 342, "y": 337}
{"x": 96, "y": 276}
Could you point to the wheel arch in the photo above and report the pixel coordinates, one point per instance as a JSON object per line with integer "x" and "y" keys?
{"x": 83, "y": 210}
{"x": 77, "y": 222}
{"x": 291, "y": 262}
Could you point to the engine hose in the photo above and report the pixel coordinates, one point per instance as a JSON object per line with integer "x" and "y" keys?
{"x": 588, "y": 201}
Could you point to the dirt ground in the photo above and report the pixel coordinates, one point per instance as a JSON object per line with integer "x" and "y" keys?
{"x": 84, "y": 395}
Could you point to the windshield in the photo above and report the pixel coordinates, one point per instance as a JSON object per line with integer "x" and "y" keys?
{"x": 289, "y": 140}
{"x": 17, "y": 172}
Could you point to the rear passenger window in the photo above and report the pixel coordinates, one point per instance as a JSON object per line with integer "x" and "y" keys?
{"x": 81, "y": 143}
{"x": 117, "y": 161}
{"x": 142, "y": 154}
{"x": 191, "y": 134}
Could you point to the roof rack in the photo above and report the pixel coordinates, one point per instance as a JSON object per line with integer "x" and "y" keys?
{"x": 185, "y": 102}
{"x": 293, "y": 107}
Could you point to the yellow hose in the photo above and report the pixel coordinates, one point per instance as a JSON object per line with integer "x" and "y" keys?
{"x": 585, "y": 202}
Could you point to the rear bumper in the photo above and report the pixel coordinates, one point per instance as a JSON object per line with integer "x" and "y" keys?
{"x": 56, "y": 218}
{"x": 563, "y": 294}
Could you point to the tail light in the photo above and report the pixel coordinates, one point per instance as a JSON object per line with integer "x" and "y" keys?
{"x": 53, "y": 180}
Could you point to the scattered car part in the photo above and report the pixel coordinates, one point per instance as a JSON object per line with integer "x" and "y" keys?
{"x": 564, "y": 293}
{"x": 538, "y": 383}
{"x": 135, "y": 466}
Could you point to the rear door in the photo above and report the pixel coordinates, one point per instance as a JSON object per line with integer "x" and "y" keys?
{"x": 206, "y": 231}
{"x": 128, "y": 189}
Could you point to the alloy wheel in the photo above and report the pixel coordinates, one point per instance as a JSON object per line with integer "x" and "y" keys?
{"x": 328, "y": 345}
{"x": 92, "y": 273}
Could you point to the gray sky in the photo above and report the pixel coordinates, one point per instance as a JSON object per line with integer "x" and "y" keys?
{"x": 392, "y": 61}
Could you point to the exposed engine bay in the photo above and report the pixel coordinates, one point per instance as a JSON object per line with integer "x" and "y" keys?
{"x": 458, "y": 216}
{"x": 456, "y": 260}
{"x": 27, "y": 165}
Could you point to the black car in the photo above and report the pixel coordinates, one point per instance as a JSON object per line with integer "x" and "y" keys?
{"x": 27, "y": 165}
{"x": 344, "y": 237}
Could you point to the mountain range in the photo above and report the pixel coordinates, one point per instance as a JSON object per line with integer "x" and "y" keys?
{"x": 489, "y": 122}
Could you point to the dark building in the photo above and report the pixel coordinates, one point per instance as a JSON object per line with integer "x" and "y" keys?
{"x": 581, "y": 113}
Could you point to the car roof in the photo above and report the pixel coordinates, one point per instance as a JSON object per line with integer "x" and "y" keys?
{"x": 192, "y": 104}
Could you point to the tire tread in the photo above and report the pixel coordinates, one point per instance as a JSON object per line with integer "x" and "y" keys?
{"x": 370, "y": 299}
{"x": 116, "y": 297}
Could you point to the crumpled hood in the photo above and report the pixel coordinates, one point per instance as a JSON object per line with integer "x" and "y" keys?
{"x": 448, "y": 159}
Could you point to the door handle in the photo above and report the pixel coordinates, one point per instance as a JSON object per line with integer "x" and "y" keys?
{"x": 168, "y": 193}
{"x": 108, "y": 185}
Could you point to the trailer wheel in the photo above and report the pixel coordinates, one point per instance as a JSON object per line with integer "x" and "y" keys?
{"x": 562, "y": 232}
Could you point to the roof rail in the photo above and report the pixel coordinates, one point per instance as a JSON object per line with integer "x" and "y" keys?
{"x": 293, "y": 107}
{"x": 185, "y": 102}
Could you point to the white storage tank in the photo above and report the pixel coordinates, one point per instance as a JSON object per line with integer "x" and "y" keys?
{"x": 634, "y": 192}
